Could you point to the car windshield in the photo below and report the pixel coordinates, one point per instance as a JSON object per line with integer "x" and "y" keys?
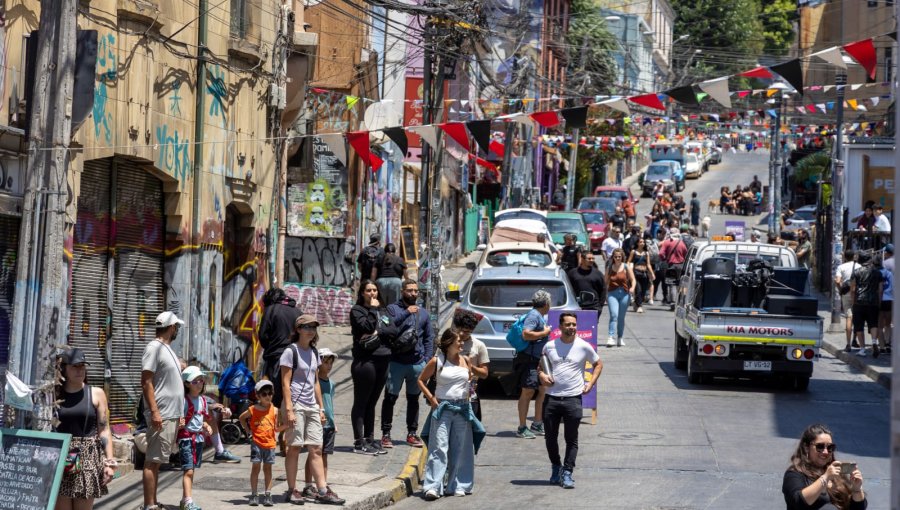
{"x": 658, "y": 172}
{"x": 594, "y": 218}
{"x": 608, "y": 193}
{"x": 691, "y": 158}
{"x": 519, "y": 258}
{"x": 519, "y": 215}
{"x": 805, "y": 215}
{"x": 565, "y": 225}
{"x": 745, "y": 258}
{"x": 600, "y": 204}
{"x": 514, "y": 293}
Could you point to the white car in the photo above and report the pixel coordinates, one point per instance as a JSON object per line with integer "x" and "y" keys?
{"x": 505, "y": 254}
{"x": 693, "y": 167}
{"x": 803, "y": 218}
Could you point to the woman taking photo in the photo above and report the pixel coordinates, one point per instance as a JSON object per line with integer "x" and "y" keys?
{"x": 815, "y": 479}
{"x": 639, "y": 259}
{"x": 83, "y": 413}
{"x": 451, "y": 445}
{"x": 619, "y": 288}
{"x": 369, "y": 369}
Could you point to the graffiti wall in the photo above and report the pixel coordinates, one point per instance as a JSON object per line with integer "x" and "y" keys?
{"x": 330, "y": 305}
{"x": 319, "y": 260}
{"x": 319, "y": 208}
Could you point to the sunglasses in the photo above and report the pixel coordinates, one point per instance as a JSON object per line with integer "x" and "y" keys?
{"x": 198, "y": 381}
{"x": 265, "y": 394}
{"x": 821, "y": 447}
{"x": 308, "y": 326}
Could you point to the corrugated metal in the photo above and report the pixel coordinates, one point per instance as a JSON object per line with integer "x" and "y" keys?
{"x": 90, "y": 253}
{"x": 137, "y": 269}
{"x": 9, "y": 247}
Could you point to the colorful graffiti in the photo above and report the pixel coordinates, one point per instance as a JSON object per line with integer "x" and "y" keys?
{"x": 330, "y": 305}
{"x": 319, "y": 208}
{"x": 319, "y": 260}
{"x": 174, "y": 153}
{"x": 215, "y": 86}
{"x": 107, "y": 71}
{"x": 334, "y": 111}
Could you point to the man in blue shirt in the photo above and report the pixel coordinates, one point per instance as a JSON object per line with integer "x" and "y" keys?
{"x": 535, "y": 331}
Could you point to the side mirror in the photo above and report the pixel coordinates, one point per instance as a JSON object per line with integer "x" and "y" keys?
{"x": 452, "y": 295}
{"x": 471, "y": 266}
{"x": 481, "y": 247}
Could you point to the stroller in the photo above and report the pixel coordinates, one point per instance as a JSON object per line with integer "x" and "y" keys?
{"x": 236, "y": 383}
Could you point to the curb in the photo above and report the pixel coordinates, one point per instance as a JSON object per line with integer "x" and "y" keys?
{"x": 411, "y": 477}
{"x": 880, "y": 378}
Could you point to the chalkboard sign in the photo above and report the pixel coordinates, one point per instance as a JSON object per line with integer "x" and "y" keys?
{"x": 31, "y": 468}
{"x": 410, "y": 246}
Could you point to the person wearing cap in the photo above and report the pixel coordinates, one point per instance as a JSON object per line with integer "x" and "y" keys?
{"x": 163, "y": 401}
{"x": 83, "y": 413}
{"x": 276, "y": 329}
{"x": 261, "y": 423}
{"x": 303, "y": 410}
{"x": 327, "y": 357}
{"x": 190, "y": 432}
{"x": 370, "y": 259}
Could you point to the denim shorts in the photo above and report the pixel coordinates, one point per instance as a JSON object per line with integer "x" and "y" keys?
{"x": 188, "y": 451}
{"x": 260, "y": 455}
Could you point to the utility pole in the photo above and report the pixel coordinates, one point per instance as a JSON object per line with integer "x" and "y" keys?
{"x": 837, "y": 196}
{"x": 773, "y": 220}
{"x": 573, "y": 170}
{"x": 895, "y": 358}
{"x": 40, "y": 321}
{"x": 776, "y": 148}
{"x": 279, "y": 68}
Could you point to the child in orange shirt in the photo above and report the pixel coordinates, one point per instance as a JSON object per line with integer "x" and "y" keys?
{"x": 261, "y": 423}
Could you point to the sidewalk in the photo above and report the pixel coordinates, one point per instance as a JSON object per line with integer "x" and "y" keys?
{"x": 366, "y": 482}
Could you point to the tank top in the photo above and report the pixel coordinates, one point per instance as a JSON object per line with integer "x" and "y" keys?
{"x": 452, "y": 380}
{"x": 640, "y": 259}
{"x": 619, "y": 279}
{"x": 77, "y": 414}
{"x": 262, "y": 424}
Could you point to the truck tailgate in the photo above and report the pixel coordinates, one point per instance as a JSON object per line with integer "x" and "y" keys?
{"x": 760, "y": 329}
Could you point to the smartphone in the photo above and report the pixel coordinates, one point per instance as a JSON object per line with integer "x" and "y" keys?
{"x": 847, "y": 468}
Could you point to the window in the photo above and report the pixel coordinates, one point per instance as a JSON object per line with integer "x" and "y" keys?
{"x": 873, "y": 3}
{"x": 519, "y": 258}
{"x": 239, "y": 18}
{"x": 572, "y": 225}
{"x": 514, "y": 293}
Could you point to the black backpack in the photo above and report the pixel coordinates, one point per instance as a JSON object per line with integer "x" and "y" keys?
{"x": 369, "y": 259}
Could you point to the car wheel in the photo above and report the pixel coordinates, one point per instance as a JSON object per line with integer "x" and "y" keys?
{"x": 693, "y": 376}
{"x": 681, "y": 355}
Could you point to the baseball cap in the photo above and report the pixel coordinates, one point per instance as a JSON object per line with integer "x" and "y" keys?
{"x": 673, "y": 231}
{"x": 889, "y": 248}
{"x": 190, "y": 373}
{"x": 166, "y": 319}
{"x": 73, "y": 357}
{"x": 374, "y": 238}
{"x": 306, "y": 319}
{"x": 325, "y": 352}
{"x": 263, "y": 383}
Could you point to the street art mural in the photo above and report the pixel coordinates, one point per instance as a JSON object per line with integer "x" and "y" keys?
{"x": 330, "y": 305}
{"x": 319, "y": 208}
{"x": 319, "y": 260}
{"x": 107, "y": 74}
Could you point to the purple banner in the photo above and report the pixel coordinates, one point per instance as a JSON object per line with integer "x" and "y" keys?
{"x": 587, "y": 330}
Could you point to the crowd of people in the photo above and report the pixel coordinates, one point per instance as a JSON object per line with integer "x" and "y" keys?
{"x": 865, "y": 281}
{"x": 745, "y": 200}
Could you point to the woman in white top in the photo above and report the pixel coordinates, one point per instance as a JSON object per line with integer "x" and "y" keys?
{"x": 451, "y": 448}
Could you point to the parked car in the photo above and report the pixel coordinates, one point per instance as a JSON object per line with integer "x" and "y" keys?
{"x": 667, "y": 171}
{"x": 505, "y": 254}
{"x": 607, "y": 204}
{"x": 618, "y": 192}
{"x": 499, "y": 295}
{"x": 597, "y": 223}
{"x": 562, "y": 223}
{"x": 693, "y": 165}
{"x": 803, "y": 217}
{"x": 715, "y": 153}
{"x": 520, "y": 214}
{"x": 517, "y": 230}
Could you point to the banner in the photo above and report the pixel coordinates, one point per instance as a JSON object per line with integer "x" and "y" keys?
{"x": 587, "y": 330}
{"x": 735, "y": 229}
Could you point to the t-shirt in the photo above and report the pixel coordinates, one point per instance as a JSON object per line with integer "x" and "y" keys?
{"x": 303, "y": 380}
{"x": 610, "y": 244}
{"x": 806, "y": 248}
{"x": 888, "y": 288}
{"x": 845, "y": 271}
{"x": 328, "y": 402}
{"x": 592, "y": 282}
{"x": 882, "y": 224}
{"x": 888, "y": 264}
{"x": 534, "y": 321}
{"x": 160, "y": 359}
{"x": 476, "y": 351}
{"x": 867, "y": 280}
{"x": 567, "y": 363}
{"x": 392, "y": 267}
{"x": 262, "y": 424}
{"x": 196, "y": 422}
{"x": 570, "y": 255}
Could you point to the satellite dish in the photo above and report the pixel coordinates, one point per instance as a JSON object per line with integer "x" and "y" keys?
{"x": 382, "y": 115}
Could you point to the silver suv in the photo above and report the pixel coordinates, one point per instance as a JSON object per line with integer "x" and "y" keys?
{"x": 501, "y": 294}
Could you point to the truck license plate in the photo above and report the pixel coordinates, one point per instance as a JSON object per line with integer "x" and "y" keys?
{"x": 507, "y": 325}
{"x": 764, "y": 366}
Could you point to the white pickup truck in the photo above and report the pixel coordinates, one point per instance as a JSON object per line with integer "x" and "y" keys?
{"x": 735, "y": 317}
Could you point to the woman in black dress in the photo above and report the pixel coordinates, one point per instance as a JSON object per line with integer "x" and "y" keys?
{"x": 815, "y": 480}
{"x": 83, "y": 413}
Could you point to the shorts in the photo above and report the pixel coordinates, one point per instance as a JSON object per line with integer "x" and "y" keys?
{"x": 328, "y": 440}
{"x": 527, "y": 370}
{"x": 260, "y": 455}
{"x": 847, "y": 304}
{"x": 307, "y": 429}
{"x": 161, "y": 443}
{"x": 887, "y": 306}
{"x": 864, "y": 314}
{"x": 188, "y": 451}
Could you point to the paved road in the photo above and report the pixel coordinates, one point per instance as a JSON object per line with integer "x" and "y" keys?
{"x": 660, "y": 442}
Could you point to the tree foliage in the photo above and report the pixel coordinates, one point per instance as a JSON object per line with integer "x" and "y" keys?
{"x": 729, "y": 34}
{"x": 778, "y": 28}
{"x": 591, "y": 68}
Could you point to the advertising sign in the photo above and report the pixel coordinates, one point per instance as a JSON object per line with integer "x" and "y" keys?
{"x": 735, "y": 229}
{"x": 587, "y": 330}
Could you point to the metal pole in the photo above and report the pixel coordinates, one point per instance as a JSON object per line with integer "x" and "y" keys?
{"x": 837, "y": 196}
{"x": 772, "y": 211}
{"x": 573, "y": 159}
{"x": 895, "y": 358}
{"x": 776, "y": 147}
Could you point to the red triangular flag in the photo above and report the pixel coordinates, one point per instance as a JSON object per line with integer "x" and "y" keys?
{"x": 359, "y": 140}
{"x": 375, "y": 162}
{"x": 497, "y": 148}
{"x": 648, "y": 100}
{"x": 743, "y": 93}
{"x": 547, "y": 119}
{"x": 456, "y": 131}
{"x": 485, "y": 163}
{"x": 759, "y": 72}
{"x": 864, "y": 53}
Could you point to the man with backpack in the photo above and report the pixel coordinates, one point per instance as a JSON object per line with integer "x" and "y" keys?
{"x": 411, "y": 350}
{"x": 672, "y": 251}
{"x": 370, "y": 259}
{"x": 528, "y": 335}
{"x": 275, "y": 331}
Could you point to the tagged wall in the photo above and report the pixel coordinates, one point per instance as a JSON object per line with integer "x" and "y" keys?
{"x": 320, "y": 260}
{"x": 330, "y": 305}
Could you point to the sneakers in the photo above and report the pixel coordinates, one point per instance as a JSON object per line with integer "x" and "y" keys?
{"x": 254, "y": 500}
{"x": 567, "y": 481}
{"x": 376, "y": 448}
{"x": 295, "y": 497}
{"x": 431, "y": 495}
{"x": 862, "y": 353}
{"x": 329, "y": 498}
{"x": 386, "y": 441}
{"x": 640, "y": 309}
{"x": 460, "y": 494}
{"x": 847, "y": 349}
{"x": 227, "y": 457}
{"x": 413, "y": 440}
{"x": 524, "y": 433}
{"x": 876, "y": 351}
{"x": 611, "y": 341}
{"x": 556, "y": 474}
{"x": 620, "y": 342}
{"x": 189, "y": 506}
{"x": 537, "y": 428}
{"x": 364, "y": 447}
{"x": 309, "y": 493}
{"x": 267, "y": 501}
{"x": 855, "y": 343}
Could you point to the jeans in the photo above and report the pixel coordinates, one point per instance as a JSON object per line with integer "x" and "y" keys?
{"x": 389, "y": 289}
{"x": 369, "y": 377}
{"x": 617, "y": 300}
{"x": 398, "y": 373}
{"x": 568, "y": 411}
{"x": 642, "y": 279}
{"x": 451, "y": 452}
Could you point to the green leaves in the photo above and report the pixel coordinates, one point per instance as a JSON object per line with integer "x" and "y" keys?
{"x": 590, "y": 47}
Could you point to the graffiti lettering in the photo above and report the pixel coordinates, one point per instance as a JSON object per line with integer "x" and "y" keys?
{"x": 318, "y": 261}
{"x": 107, "y": 69}
{"x": 174, "y": 154}
{"x": 330, "y": 305}
{"x": 334, "y": 112}
{"x": 175, "y": 99}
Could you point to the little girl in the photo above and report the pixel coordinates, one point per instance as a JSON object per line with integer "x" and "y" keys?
{"x": 190, "y": 434}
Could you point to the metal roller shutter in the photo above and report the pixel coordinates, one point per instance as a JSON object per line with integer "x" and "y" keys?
{"x": 137, "y": 272}
{"x": 89, "y": 329}
{"x": 9, "y": 247}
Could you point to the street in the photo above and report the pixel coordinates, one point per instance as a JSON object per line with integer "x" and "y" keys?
{"x": 660, "y": 442}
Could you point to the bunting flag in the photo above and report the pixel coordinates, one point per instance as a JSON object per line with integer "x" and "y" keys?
{"x": 875, "y": 100}
{"x": 822, "y": 107}
{"x": 863, "y": 52}
{"x": 852, "y": 103}
{"x": 547, "y": 119}
{"x": 497, "y": 148}
{"x": 718, "y": 90}
{"x": 485, "y": 163}
{"x": 398, "y": 136}
{"x": 801, "y": 109}
{"x": 759, "y": 72}
{"x": 811, "y": 108}
{"x": 701, "y": 96}
{"x": 650, "y": 101}
{"x": 831, "y": 55}
{"x": 855, "y": 86}
{"x": 792, "y": 72}
{"x": 617, "y": 103}
{"x": 771, "y": 92}
{"x": 428, "y": 133}
{"x": 337, "y": 145}
{"x": 742, "y": 93}
{"x": 481, "y": 133}
{"x": 359, "y": 140}
{"x": 772, "y": 113}
{"x": 351, "y": 100}
{"x": 456, "y": 131}
{"x": 576, "y": 118}
{"x": 684, "y": 95}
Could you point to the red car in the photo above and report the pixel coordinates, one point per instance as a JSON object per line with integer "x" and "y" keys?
{"x": 618, "y": 192}
{"x": 597, "y": 223}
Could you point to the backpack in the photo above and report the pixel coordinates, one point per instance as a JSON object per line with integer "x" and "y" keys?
{"x": 184, "y": 433}
{"x": 236, "y": 382}
{"x": 407, "y": 339}
{"x": 370, "y": 259}
{"x": 514, "y": 336}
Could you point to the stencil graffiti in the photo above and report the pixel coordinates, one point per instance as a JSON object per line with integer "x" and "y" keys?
{"x": 330, "y": 305}
{"x": 174, "y": 153}
{"x": 319, "y": 260}
{"x": 107, "y": 66}
{"x": 319, "y": 208}
{"x": 175, "y": 99}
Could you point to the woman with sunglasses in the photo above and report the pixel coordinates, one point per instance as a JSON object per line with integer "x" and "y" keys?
{"x": 619, "y": 290}
{"x": 815, "y": 479}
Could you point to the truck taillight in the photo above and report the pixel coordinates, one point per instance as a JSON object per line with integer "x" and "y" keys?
{"x": 707, "y": 349}
{"x": 809, "y": 354}
{"x": 720, "y": 349}
{"x": 797, "y": 353}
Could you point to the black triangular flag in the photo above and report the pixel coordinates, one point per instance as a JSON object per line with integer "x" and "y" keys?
{"x": 481, "y": 132}
{"x": 684, "y": 95}
{"x": 576, "y": 118}
{"x": 893, "y": 35}
{"x": 398, "y": 136}
{"x": 791, "y": 71}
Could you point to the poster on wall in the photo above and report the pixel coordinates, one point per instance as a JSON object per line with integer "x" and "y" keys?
{"x": 735, "y": 229}
{"x": 878, "y": 185}
{"x": 319, "y": 208}
{"x": 587, "y": 330}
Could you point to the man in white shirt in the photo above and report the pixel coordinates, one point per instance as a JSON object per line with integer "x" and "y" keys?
{"x": 565, "y": 361}
{"x": 843, "y": 274}
{"x": 612, "y": 241}
{"x": 882, "y": 223}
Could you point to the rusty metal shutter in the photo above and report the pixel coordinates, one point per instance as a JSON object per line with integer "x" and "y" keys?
{"x": 88, "y": 328}
{"x": 137, "y": 271}
{"x": 9, "y": 247}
